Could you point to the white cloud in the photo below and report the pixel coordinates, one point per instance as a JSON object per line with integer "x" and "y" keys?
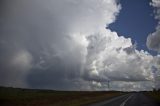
{"x": 67, "y": 46}
{"x": 153, "y": 40}
{"x": 110, "y": 58}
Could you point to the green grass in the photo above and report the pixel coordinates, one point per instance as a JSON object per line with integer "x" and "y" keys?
{"x": 30, "y": 97}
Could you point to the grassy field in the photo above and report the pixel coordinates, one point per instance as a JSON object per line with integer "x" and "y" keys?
{"x": 155, "y": 95}
{"x": 31, "y": 97}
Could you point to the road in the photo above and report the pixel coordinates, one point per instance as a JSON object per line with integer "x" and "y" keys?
{"x": 133, "y": 99}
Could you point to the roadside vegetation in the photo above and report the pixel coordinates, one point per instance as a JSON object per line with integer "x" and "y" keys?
{"x": 31, "y": 97}
{"x": 155, "y": 94}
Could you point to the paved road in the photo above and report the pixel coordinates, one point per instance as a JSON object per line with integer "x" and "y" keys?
{"x": 134, "y": 99}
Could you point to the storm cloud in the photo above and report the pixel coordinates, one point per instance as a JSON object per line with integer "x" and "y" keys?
{"x": 63, "y": 45}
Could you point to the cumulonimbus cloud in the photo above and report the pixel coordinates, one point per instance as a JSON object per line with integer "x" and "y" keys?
{"x": 63, "y": 44}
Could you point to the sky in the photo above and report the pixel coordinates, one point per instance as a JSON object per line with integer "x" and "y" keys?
{"x": 135, "y": 16}
{"x": 80, "y": 44}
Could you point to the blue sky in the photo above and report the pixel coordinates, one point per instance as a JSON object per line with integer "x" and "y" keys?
{"x": 136, "y": 21}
